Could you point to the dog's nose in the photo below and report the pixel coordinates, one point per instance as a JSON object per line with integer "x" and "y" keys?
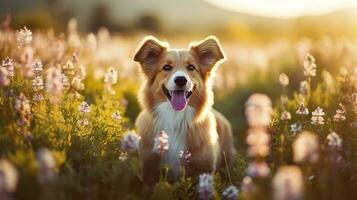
{"x": 180, "y": 81}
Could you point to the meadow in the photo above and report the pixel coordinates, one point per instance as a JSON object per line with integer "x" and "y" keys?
{"x": 68, "y": 104}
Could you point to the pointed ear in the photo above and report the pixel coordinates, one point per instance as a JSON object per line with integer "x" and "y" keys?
{"x": 208, "y": 51}
{"x": 149, "y": 51}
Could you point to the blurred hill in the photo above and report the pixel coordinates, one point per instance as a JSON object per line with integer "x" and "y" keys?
{"x": 182, "y": 16}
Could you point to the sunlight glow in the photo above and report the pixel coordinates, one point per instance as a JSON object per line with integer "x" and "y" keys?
{"x": 285, "y": 8}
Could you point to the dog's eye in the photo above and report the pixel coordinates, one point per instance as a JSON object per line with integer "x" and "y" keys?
{"x": 167, "y": 68}
{"x": 190, "y": 68}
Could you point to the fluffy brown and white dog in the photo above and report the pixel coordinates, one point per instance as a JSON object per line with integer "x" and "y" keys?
{"x": 177, "y": 98}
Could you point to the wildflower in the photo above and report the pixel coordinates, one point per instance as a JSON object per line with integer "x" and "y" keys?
{"x": 65, "y": 81}
{"x": 68, "y": 68}
{"x": 258, "y": 110}
{"x": 116, "y": 115}
{"x": 37, "y": 97}
{"x": 37, "y": 84}
{"x": 161, "y": 143}
{"x": 185, "y": 156}
{"x": 258, "y": 169}
{"x": 248, "y": 185}
{"x": 284, "y": 99}
{"x": 54, "y": 82}
{"x": 340, "y": 114}
{"x": 9, "y": 65}
{"x": 8, "y": 177}
{"x": 285, "y": 115}
{"x": 304, "y": 88}
{"x": 24, "y": 37}
{"x": 231, "y": 193}
{"x": 83, "y": 122}
{"x": 284, "y": 79}
{"x": 123, "y": 156}
{"x": 309, "y": 66}
{"x": 317, "y": 117}
{"x": 84, "y": 107}
{"x": 288, "y": 183}
{"x": 334, "y": 140}
{"x": 82, "y": 72}
{"x": 22, "y": 104}
{"x": 110, "y": 78}
{"x": 302, "y": 110}
{"x": 130, "y": 141}
{"x": 77, "y": 83}
{"x": 4, "y": 77}
{"x": 295, "y": 128}
{"x": 258, "y": 142}
{"x": 46, "y": 164}
{"x": 205, "y": 186}
{"x": 37, "y": 67}
{"x": 306, "y": 147}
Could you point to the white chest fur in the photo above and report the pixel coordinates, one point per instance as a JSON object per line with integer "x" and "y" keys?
{"x": 175, "y": 124}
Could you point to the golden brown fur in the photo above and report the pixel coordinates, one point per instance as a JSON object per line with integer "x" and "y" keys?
{"x": 209, "y": 133}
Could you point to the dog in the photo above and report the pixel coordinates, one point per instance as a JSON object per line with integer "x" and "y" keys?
{"x": 177, "y": 97}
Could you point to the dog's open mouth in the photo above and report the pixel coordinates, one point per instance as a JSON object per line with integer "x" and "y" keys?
{"x": 177, "y": 98}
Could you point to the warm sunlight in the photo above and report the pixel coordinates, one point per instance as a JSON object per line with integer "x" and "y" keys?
{"x": 285, "y": 8}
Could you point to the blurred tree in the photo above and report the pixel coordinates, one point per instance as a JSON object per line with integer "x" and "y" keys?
{"x": 149, "y": 22}
{"x": 100, "y": 17}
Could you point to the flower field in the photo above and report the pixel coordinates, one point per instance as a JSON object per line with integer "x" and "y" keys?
{"x": 68, "y": 104}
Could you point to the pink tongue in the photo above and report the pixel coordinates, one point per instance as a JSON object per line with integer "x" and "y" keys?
{"x": 178, "y": 100}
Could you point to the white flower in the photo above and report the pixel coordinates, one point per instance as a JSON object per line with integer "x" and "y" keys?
{"x": 205, "y": 186}
{"x": 310, "y": 66}
{"x": 77, "y": 83}
{"x": 304, "y": 88}
{"x": 306, "y": 148}
{"x": 231, "y": 193}
{"x": 248, "y": 185}
{"x": 37, "y": 97}
{"x": 65, "y": 81}
{"x": 111, "y": 77}
{"x": 302, "y": 110}
{"x": 295, "y": 128}
{"x": 161, "y": 143}
{"x": 37, "y": 84}
{"x": 258, "y": 143}
{"x": 185, "y": 156}
{"x": 116, "y": 115}
{"x": 258, "y": 169}
{"x": 334, "y": 140}
{"x": 9, "y": 65}
{"x": 284, "y": 79}
{"x": 123, "y": 156}
{"x": 130, "y": 141}
{"x": 340, "y": 114}
{"x": 24, "y": 37}
{"x": 8, "y": 177}
{"x": 37, "y": 67}
{"x": 54, "y": 82}
{"x": 84, "y": 107}
{"x": 317, "y": 117}
{"x": 288, "y": 183}
{"x": 258, "y": 110}
{"x": 46, "y": 164}
{"x": 285, "y": 115}
{"x": 22, "y": 104}
{"x": 4, "y": 77}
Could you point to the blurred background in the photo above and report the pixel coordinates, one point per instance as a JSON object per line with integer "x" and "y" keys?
{"x": 261, "y": 38}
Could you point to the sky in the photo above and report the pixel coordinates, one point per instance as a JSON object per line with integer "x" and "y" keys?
{"x": 285, "y": 8}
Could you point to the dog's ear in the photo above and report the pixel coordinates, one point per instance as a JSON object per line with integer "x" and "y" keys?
{"x": 149, "y": 51}
{"x": 208, "y": 52}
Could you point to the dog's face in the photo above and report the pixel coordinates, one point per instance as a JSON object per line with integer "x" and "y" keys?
{"x": 178, "y": 75}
